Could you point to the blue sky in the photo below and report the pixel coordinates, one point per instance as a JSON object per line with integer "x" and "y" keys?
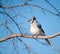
{"x": 50, "y": 23}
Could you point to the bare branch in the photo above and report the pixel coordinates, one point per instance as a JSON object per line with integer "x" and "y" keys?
{"x": 8, "y": 7}
{"x": 12, "y": 20}
{"x": 52, "y": 6}
{"x": 25, "y": 4}
{"x": 28, "y": 49}
{"x": 29, "y": 36}
{"x": 44, "y": 9}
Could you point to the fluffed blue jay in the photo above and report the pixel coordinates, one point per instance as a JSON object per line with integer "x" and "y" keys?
{"x": 36, "y": 28}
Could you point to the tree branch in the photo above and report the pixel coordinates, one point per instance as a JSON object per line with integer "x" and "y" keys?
{"x": 29, "y": 36}
{"x": 25, "y": 4}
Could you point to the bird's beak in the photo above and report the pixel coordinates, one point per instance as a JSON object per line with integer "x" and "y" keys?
{"x": 29, "y": 20}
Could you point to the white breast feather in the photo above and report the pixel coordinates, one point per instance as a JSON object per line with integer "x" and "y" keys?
{"x": 34, "y": 30}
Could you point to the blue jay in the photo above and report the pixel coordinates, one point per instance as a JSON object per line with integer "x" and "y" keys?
{"x": 36, "y": 28}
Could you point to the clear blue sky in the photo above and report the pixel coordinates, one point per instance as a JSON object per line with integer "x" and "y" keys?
{"x": 50, "y": 23}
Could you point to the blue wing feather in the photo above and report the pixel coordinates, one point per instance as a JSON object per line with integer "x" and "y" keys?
{"x": 40, "y": 27}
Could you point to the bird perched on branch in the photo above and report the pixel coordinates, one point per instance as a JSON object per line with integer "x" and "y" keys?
{"x": 36, "y": 28}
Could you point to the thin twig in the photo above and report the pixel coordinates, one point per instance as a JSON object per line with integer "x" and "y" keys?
{"x": 52, "y": 6}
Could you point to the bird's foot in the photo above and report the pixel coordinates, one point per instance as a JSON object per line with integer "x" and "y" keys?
{"x": 35, "y": 35}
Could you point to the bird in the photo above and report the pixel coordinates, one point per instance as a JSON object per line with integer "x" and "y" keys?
{"x": 36, "y": 28}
